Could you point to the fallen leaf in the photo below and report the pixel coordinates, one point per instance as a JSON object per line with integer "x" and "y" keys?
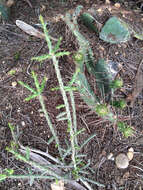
{"x": 29, "y": 29}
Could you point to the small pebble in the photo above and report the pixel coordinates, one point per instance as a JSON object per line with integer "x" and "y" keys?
{"x": 131, "y": 150}
{"x": 117, "y": 5}
{"x": 130, "y": 155}
{"x": 14, "y": 83}
{"x": 42, "y": 115}
{"x": 42, "y": 8}
{"x": 23, "y": 123}
{"x": 122, "y": 161}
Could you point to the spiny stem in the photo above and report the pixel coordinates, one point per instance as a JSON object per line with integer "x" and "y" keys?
{"x": 56, "y": 65}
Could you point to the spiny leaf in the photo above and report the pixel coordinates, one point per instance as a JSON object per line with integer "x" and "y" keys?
{"x": 57, "y": 45}
{"x": 42, "y": 57}
{"x": 34, "y": 76}
{"x": 61, "y": 114}
{"x": 60, "y": 54}
{"x": 74, "y": 76}
{"x": 3, "y": 177}
{"x": 11, "y": 127}
{"x": 60, "y": 106}
{"x": 26, "y": 86}
{"x": 43, "y": 84}
{"x": 31, "y": 96}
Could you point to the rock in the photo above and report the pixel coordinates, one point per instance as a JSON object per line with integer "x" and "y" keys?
{"x": 115, "y": 31}
{"x": 122, "y": 161}
{"x": 130, "y": 153}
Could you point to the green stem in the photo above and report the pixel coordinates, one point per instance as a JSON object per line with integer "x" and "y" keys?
{"x": 41, "y": 100}
{"x": 56, "y": 65}
{"x": 74, "y": 115}
{"x": 30, "y": 176}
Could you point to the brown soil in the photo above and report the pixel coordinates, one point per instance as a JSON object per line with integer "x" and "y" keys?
{"x": 33, "y": 129}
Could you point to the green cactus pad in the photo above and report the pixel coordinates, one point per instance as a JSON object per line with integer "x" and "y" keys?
{"x": 4, "y": 12}
{"x": 89, "y": 21}
{"x": 115, "y": 31}
{"x": 103, "y": 76}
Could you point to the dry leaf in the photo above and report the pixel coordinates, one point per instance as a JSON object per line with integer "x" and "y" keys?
{"x": 58, "y": 186}
{"x": 138, "y": 86}
{"x": 29, "y": 29}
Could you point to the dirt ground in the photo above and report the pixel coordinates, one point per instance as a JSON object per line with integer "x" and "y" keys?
{"x": 16, "y": 50}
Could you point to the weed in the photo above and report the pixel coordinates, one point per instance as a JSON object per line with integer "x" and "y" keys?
{"x": 58, "y": 168}
{"x": 76, "y": 169}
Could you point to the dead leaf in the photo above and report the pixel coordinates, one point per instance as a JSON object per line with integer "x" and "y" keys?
{"x": 29, "y": 29}
{"x": 58, "y": 185}
{"x": 138, "y": 86}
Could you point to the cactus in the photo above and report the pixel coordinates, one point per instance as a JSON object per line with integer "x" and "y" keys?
{"x": 89, "y": 21}
{"x": 115, "y": 31}
{"x": 5, "y": 8}
{"x": 82, "y": 84}
{"x": 103, "y": 77}
{"x": 105, "y": 72}
{"x": 4, "y": 11}
{"x": 85, "y": 50}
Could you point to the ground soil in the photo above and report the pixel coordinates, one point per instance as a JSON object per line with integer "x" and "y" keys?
{"x": 16, "y": 50}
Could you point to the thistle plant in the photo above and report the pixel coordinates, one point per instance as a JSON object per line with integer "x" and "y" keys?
{"x": 71, "y": 172}
{"x": 58, "y": 168}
